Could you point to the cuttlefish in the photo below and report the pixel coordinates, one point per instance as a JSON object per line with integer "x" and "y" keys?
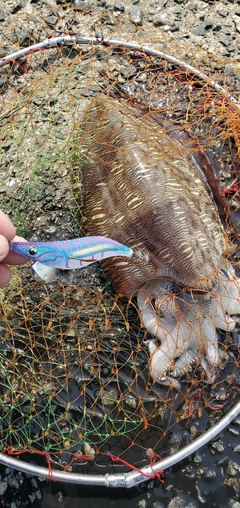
{"x": 147, "y": 184}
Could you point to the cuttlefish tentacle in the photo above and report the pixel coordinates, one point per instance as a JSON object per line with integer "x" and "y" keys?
{"x": 185, "y": 324}
{"x": 176, "y": 325}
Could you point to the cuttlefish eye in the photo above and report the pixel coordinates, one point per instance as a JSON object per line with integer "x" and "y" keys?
{"x": 32, "y": 251}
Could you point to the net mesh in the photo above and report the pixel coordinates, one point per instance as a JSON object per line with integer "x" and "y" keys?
{"x": 75, "y": 383}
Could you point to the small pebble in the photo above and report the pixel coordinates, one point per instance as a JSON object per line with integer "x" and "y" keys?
{"x": 235, "y": 432}
{"x": 3, "y": 488}
{"x": 136, "y": 16}
{"x": 51, "y": 20}
{"x": 210, "y": 474}
{"x": 13, "y": 483}
{"x": 233, "y": 468}
{"x": 234, "y": 483}
{"x": 34, "y": 483}
{"x": 119, "y": 6}
{"x": 32, "y": 497}
{"x": 193, "y": 7}
{"x": 200, "y": 30}
{"x": 176, "y": 502}
{"x": 225, "y": 39}
{"x": 79, "y": 5}
{"x": 222, "y": 12}
{"x": 22, "y": 37}
{"x": 218, "y": 446}
{"x": 60, "y": 497}
{"x": 197, "y": 458}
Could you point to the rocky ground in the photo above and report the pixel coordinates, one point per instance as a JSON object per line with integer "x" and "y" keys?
{"x": 204, "y": 33}
{"x": 183, "y": 27}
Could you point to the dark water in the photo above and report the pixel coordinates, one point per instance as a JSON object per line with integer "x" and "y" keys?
{"x": 209, "y": 478}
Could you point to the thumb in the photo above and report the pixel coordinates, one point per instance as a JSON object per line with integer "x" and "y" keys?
{"x": 3, "y": 247}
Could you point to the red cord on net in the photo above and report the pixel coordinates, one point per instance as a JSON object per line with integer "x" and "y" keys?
{"x": 10, "y": 451}
{"x": 153, "y": 456}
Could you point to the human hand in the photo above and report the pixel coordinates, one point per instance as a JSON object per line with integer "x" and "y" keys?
{"x": 7, "y": 234}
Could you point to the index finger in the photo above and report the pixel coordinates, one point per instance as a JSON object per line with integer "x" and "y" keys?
{"x": 7, "y": 229}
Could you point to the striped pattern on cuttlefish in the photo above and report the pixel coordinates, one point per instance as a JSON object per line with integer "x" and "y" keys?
{"x": 146, "y": 183}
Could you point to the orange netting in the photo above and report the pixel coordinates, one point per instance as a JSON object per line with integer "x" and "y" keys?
{"x": 76, "y": 377}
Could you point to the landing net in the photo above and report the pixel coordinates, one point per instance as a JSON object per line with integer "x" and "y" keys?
{"x": 76, "y": 391}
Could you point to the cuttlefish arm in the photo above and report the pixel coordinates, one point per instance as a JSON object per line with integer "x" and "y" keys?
{"x": 185, "y": 324}
{"x": 172, "y": 326}
{"x": 226, "y": 293}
